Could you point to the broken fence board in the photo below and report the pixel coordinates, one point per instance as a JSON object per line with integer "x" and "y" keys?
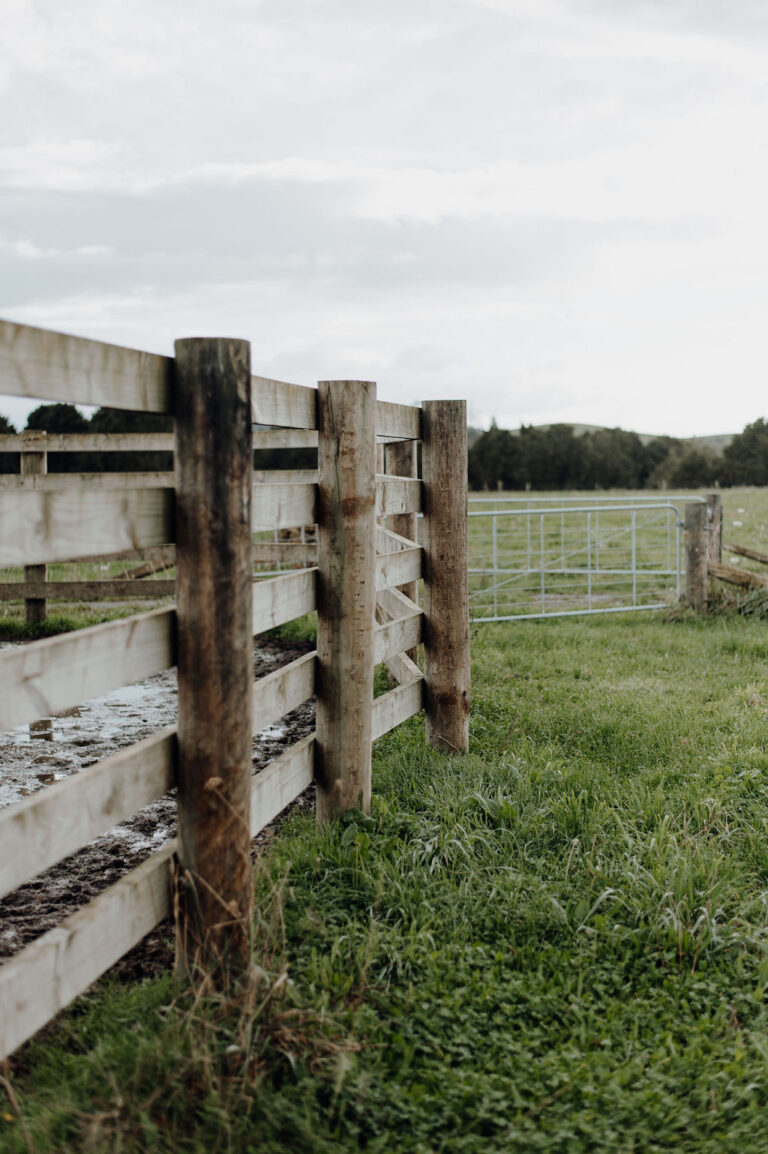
{"x": 49, "y": 676}
{"x": 741, "y": 577}
{"x": 41, "y": 830}
{"x": 280, "y": 692}
{"x": 280, "y": 599}
{"x": 49, "y": 973}
{"x": 55, "y": 367}
{"x": 281, "y": 782}
{"x": 42, "y": 527}
{"x": 741, "y": 551}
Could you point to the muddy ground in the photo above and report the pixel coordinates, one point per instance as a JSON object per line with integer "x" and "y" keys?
{"x": 33, "y": 757}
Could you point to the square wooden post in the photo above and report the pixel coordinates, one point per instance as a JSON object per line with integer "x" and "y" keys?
{"x": 214, "y": 592}
{"x": 696, "y": 556}
{"x": 446, "y": 585}
{"x": 346, "y": 594}
{"x": 34, "y": 462}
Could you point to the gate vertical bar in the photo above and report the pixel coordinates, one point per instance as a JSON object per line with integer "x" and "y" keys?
{"x": 214, "y": 592}
{"x": 634, "y": 557}
{"x": 346, "y": 594}
{"x": 495, "y": 547}
{"x": 34, "y": 462}
{"x": 541, "y": 558}
{"x": 446, "y": 592}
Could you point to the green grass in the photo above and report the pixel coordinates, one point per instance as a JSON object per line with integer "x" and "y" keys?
{"x": 558, "y": 943}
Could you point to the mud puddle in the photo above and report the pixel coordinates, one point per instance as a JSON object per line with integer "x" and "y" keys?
{"x": 33, "y": 757}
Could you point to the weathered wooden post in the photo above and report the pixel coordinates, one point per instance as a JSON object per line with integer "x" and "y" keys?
{"x": 696, "y": 556}
{"x": 446, "y": 586}
{"x": 346, "y": 594}
{"x": 714, "y": 528}
{"x": 34, "y": 462}
{"x": 214, "y": 594}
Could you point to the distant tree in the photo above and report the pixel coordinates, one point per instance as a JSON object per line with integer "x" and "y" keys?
{"x": 495, "y": 457}
{"x": 61, "y": 418}
{"x": 659, "y": 458}
{"x": 9, "y": 462}
{"x": 125, "y": 421}
{"x": 614, "y": 459}
{"x": 745, "y": 460}
{"x": 697, "y": 468}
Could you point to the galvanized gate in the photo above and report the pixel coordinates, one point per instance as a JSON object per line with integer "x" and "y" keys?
{"x": 535, "y": 557}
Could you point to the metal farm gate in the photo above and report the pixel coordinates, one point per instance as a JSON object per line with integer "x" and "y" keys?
{"x": 532, "y": 557}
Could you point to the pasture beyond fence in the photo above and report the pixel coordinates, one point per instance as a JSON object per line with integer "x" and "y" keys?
{"x": 363, "y": 588}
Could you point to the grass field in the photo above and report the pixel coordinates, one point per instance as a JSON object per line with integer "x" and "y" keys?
{"x": 559, "y": 943}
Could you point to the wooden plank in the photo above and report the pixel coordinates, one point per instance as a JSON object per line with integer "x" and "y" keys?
{"x": 91, "y": 442}
{"x": 403, "y": 669}
{"x": 396, "y": 636}
{"x": 397, "y": 495}
{"x": 49, "y": 973}
{"x": 280, "y": 692}
{"x": 402, "y": 461}
{"x": 164, "y": 559}
{"x": 83, "y": 482}
{"x": 285, "y": 438}
{"x": 400, "y": 421}
{"x": 214, "y": 575}
{"x": 280, "y": 599}
{"x": 285, "y": 476}
{"x": 149, "y": 554}
{"x": 395, "y": 604}
{"x": 50, "y": 676}
{"x": 399, "y": 568}
{"x": 287, "y": 553}
{"x": 281, "y": 782}
{"x": 87, "y": 590}
{"x": 346, "y": 595}
{"x": 55, "y": 367}
{"x": 40, "y": 527}
{"x": 396, "y": 706}
{"x": 389, "y": 542}
{"x": 50, "y": 825}
{"x": 734, "y": 576}
{"x": 284, "y": 506}
{"x": 279, "y": 403}
{"x": 741, "y": 551}
{"x": 446, "y": 583}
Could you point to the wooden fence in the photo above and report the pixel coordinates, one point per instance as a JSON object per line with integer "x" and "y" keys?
{"x": 363, "y": 588}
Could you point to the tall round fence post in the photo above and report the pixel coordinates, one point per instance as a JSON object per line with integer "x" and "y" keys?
{"x": 696, "y": 555}
{"x": 34, "y": 462}
{"x": 215, "y": 652}
{"x": 446, "y": 585}
{"x": 346, "y": 594}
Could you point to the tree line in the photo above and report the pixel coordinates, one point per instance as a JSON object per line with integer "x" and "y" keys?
{"x": 544, "y": 458}
{"x": 556, "y": 457}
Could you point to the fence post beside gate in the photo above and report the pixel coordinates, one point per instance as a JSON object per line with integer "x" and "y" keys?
{"x": 446, "y": 585}
{"x": 34, "y": 462}
{"x": 696, "y": 555}
{"x": 346, "y": 594}
{"x": 214, "y": 596}
{"x": 715, "y": 527}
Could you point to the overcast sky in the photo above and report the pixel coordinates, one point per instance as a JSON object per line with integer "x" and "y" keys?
{"x": 555, "y": 208}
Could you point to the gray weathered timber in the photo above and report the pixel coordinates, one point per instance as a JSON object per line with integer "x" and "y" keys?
{"x": 714, "y": 528}
{"x": 446, "y": 593}
{"x": 34, "y": 463}
{"x": 214, "y": 607}
{"x": 346, "y": 595}
{"x": 401, "y": 461}
{"x": 696, "y": 556}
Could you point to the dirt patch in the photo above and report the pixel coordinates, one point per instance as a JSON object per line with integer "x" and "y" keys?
{"x": 33, "y": 757}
